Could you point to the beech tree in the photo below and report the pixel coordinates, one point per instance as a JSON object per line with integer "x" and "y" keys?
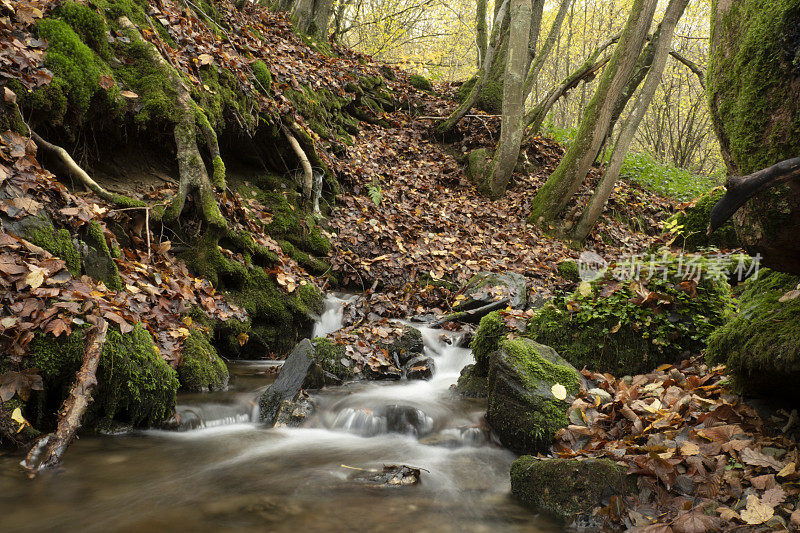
{"x": 512, "y": 128}
{"x": 661, "y": 48}
{"x": 554, "y": 195}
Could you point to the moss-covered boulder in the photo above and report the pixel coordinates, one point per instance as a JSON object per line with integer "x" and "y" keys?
{"x": 333, "y": 360}
{"x": 753, "y": 76}
{"x": 470, "y": 384}
{"x": 528, "y": 389}
{"x": 567, "y": 490}
{"x": 491, "y": 331}
{"x": 568, "y": 270}
{"x": 691, "y": 224}
{"x": 760, "y": 343}
{"x": 135, "y": 384}
{"x": 420, "y": 82}
{"x": 201, "y": 369}
{"x": 630, "y": 327}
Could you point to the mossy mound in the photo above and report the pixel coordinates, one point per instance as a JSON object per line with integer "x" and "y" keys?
{"x": 523, "y": 410}
{"x": 420, "y": 82}
{"x": 477, "y": 164}
{"x": 567, "y": 489}
{"x": 760, "y": 343}
{"x": 490, "y": 98}
{"x": 201, "y": 369}
{"x": 135, "y": 385}
{"x": 331, "y": 357}
{"x": 632, "y": 327}
{"x": 569, "y": 271}
{"x": 694, "y": 219}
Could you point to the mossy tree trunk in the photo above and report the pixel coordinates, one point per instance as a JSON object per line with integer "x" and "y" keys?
{"x": 507, "y": 153}
{"x": 554, "y": 195}
{"x": 661, "y": 46}
{"x": 753, "y": 89}
{"x": 481, "y": 31}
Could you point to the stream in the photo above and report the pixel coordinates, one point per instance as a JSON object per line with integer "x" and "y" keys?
{"x": 224, "y": 471}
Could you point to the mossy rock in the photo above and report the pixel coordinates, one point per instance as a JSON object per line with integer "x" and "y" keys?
{"x": 491, "y": 331}
{"x": 39, "y": 230}
{"x": 760, "y": 343}
{"x": 420, "y": 82}
{"x": 201, "y": 369}
{"x": 568, "y": 490}
{"x": 523, "y": 411}
{"x": 134, "y": 383}
{"x": 263, "y": 76}
{"x": 694, "y": 219}
{"x": 331, "y": 357}
{"x": 487, "y": 287}
{"x": 97, "y": 259}
{"x": 470, "y": 384}
{"x": 604, "y": 327}
{"x": 407, "y": 346}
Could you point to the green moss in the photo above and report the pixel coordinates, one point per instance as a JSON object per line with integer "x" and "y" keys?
{"x": 288, "y": 224}
{"x": 694, "y": 220}
{"x": 751, "y": 82}
{"x": 477, "y": 164}
{"x": 330, "y": 357}
{"x": 565, "y": 488}
{"x": 470, "y": 385}
{"x": 760, "y": 343}
{"x": 76, "y": 71}
{"x": 569, "y": 271}
{"x": 108, "y": 273}
{"x": 59, "y": 243}
{"x": 420, "y": 82}
{"x": 149, "y": 80}
{"x": 528, "y": 359}
{"x": 491, "y": 331}
{"x": 263, "y": 76}
{"x": 218, "y": 177}
{"x": 135, "y": 385}
{"x": 10, "y": 117}
{"x": 305, "y": 260}
{"x": 201, "y": 369}
{"x": 605, "y": 331}
{"x": 87, "y": 24}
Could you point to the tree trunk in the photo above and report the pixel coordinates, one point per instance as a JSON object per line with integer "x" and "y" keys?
{"x": 567, "y": 178}
{"x": 481, "y": 31}
{"x": 537, "y": 11}
{"x": 496, "y": 42}
{"x": 547, "y": 47}
{"x": 661, "y": 47}
{"x": 312, "y": 17}
{"x": 512, "y": 128}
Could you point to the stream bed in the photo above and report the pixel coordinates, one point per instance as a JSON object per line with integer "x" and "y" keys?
{"x": 224, "y": 471}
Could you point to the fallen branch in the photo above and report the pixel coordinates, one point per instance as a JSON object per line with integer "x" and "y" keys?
{"x": 308, "y": 172}
{"x": 742, "y": 188}
{"x": 48, "y": 450}
{"x": 472, "y": 314}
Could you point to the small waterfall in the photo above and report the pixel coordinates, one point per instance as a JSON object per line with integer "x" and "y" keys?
{"x": 332, "y": 315}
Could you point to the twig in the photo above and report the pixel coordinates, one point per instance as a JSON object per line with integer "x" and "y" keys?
{"x": 465, "y": 116}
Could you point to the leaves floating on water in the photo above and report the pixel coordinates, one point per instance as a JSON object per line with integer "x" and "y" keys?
{"x": 390, "y": 476}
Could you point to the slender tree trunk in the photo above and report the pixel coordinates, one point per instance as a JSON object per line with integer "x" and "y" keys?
{"x": 567, "y": 178}
{"x": 547, "y": 47}
{"x": 481, "y": 31}
{"x": 512, "y": 128}
{"x": 537, "y": 11}
{"x": 483, "y": 74}
{"x": 661, "y": 48}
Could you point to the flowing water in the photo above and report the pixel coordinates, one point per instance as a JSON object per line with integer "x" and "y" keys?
{"x": 222, "y": 471}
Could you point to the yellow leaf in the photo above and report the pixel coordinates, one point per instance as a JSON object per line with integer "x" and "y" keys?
{"x": 585, "y": 288}
{"x": 757, "y": 512}
{"x": 559, "y": 391}
{"x": 187, "y": 321}
{"x": 242, "y": 338}
{"x": 35, "y": 277}
{"x": 17, "y": 417}
{"x": 8, "y": 321}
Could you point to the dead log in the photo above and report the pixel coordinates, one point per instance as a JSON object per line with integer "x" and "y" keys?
{"x": 473, "y": 315}
{"x": 742, "y": 188}
{"x": 48, "y": 450}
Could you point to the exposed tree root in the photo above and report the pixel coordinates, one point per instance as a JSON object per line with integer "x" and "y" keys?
{"x": 48, "y": 450}
{"x": 191, "y": 169}
{"x": 308, "y": 172}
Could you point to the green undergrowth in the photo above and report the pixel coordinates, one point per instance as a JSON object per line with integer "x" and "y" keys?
{"x": 690, "y": 225}
{"x": 760, "y": 342}
{"x": 135, "y": 385}
{"x": 665, "y": 179}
